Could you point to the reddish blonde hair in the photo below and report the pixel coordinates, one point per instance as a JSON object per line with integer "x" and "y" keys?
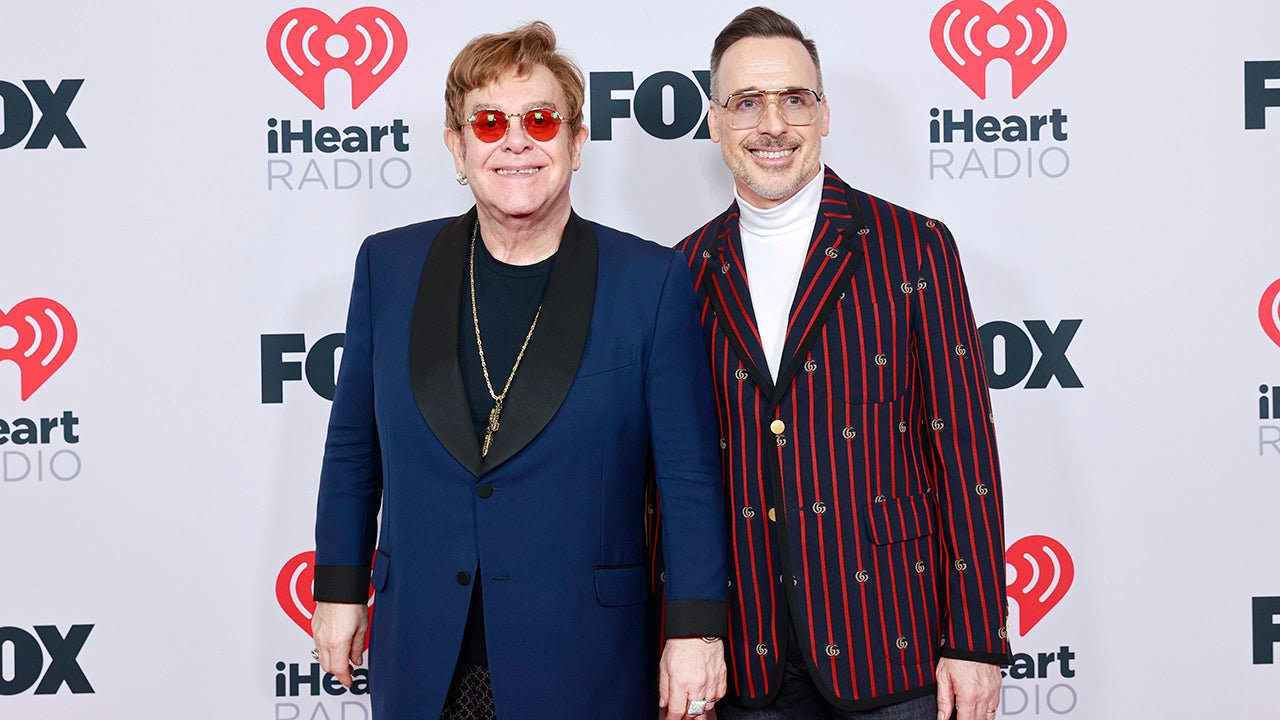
{"x": 488, "y": 57}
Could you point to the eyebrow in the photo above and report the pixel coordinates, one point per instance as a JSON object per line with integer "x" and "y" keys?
{"x": 532, "y": 105}
{"x": 756, "y": 88}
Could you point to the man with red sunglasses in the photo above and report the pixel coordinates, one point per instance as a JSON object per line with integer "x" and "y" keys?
{"x": 861, "y": 478}
{"x": 509, "y": 379}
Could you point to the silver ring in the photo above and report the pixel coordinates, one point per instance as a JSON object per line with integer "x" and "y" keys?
{"x": 697, "y": 707}
{"x": 315, "y": 653}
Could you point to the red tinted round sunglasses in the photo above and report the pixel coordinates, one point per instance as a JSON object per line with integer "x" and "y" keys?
{"x": 542, "y": 124}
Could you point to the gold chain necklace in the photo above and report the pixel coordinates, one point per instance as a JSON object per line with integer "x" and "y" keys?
{"x": 496, "y": 412}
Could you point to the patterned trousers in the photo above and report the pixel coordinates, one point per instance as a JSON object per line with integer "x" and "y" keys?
{"x": 470, "y": 695}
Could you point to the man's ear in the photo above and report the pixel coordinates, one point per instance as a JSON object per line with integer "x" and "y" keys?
{"x": 454, "y": 141}
{"x": 576, "y": 143}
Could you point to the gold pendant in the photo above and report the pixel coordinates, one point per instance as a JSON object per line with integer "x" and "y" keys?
{"x": 489, "y": 431}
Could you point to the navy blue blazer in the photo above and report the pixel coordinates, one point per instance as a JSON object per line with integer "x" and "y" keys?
{"x": 615, "y": 384}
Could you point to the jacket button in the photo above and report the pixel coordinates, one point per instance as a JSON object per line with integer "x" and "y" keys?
{"x": 464, "y": 578}
{"x": 777, "y": 427}
{"x": 772, "y": 516}
{"x": 485, "y": 491}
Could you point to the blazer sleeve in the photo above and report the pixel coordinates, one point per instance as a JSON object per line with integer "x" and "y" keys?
{"x": 959, "y": 428}
{"x": 686, "y": 459}
{"x": 351, "y": 474}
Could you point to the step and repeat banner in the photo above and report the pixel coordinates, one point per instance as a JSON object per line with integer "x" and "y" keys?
{"x": 184, "y": 188}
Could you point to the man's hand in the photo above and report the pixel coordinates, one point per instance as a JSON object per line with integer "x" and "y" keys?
{"x": 690, "y": 669}
{"x": 339, "y": 630}
{"x": 971, "y": 689}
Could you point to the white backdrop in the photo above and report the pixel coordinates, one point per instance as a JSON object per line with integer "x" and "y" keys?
{"x": 163, "y": 516}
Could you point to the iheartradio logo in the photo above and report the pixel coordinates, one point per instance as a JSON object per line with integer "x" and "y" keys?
{"x": 46, "y": 337}
{"x": 1269, "y": 312}
{"x": 368, "y": 43}
{"x": 1043, "y": 574}
{"x": 294, "y": 591}
{"x": 968, "y": 34}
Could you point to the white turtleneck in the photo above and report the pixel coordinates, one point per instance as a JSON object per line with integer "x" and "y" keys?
{"x": 774, "y": 242}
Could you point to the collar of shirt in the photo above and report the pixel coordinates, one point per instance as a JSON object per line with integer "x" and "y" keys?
{"x": 792, "y": 215}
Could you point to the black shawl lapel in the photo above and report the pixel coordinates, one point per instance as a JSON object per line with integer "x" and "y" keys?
{"x": 555, "y": 350}
{"x": 433, "y": 343}
{"x": 725, "y": 280}
{"x": 835, "y": 251}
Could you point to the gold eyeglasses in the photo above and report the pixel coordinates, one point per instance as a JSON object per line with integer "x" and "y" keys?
{"x": 798, "y": 106}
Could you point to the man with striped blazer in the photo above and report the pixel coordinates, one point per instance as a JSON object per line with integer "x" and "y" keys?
{"x": 861, "y": 477}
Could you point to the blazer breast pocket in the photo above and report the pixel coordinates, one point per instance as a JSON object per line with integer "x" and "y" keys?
{"x": 876, "y": 356}
{"x": 600, "y": 360}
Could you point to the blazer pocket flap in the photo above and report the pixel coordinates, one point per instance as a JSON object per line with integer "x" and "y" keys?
{"x": 901, "y": 518}
{"x": 621, "y": 585}
{"x": 596, "y": 361}
{"x": 381, "y": 567}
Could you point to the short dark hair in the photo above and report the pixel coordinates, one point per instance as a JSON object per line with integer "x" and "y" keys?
{"x": 760, "y": 22}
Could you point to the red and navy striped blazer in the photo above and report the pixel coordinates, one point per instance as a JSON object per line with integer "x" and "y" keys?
{"x": 864, "y": 484}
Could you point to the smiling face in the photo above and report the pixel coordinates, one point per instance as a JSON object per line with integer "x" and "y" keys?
{"x": 773, "y": 160}
{"x": 518, "y": 180}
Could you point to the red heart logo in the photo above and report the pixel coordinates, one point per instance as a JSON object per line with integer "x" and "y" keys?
{"x": 962, "y": 38}
{"x": 1044, "y": 572}
{"x": 46, "y": 338}
{"x": 369, "y": 43}
{"x": 294, "y": 591}
{"x": 1269, "y": 312}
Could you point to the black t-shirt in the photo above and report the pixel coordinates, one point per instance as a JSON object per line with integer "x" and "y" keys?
{"x": 507, "y": 298}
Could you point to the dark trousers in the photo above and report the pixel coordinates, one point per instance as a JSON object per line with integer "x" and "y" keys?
{"x": 470, "y": 695}
{"x": 799, "y": 699}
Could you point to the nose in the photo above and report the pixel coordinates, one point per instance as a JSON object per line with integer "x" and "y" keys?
{"x": 771, "y": 122}
{"x": 516, "y": 138}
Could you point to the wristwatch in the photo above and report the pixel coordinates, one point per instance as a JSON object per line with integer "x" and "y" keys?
{"x": 708, "y": 639}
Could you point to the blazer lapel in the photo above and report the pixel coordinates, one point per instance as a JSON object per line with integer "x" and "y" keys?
{"x": 725, "y": 280}
{"x": 834, "y": 253}
{"x": 555, "y": 350}
{"x": 433, "y": 343}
